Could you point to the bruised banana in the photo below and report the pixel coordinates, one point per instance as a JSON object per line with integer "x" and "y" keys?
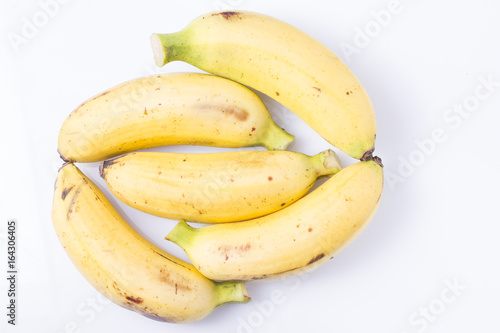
{"x": 215, "y": 187}
{"x": 290, "y": 241}
{"x": 124, "y": 266}
{"x": 284, "y": 63}
{"x": 168, "y": 109}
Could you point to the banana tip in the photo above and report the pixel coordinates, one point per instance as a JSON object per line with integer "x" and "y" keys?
{"x": 367, "y": 155}
{"x": 62, "y": 157}
{"x": 101, "y": 170}
{"x": 64, "y": 164}
{"x": 103, "y": 166}
{"x": 378, "y": 160}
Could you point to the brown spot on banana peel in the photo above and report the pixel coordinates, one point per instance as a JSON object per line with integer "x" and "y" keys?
{"x": 165, "y": 278}
{"x": 73, "y": 202}
{"x": 156, "y": 317}
{"x": 379, "y": 197}
{"x": 95, "y": 97}
{"x": 132, "y": 303}
{"x": 318, "y": 257}
{"x": 146, "y": 312}
{"x": 265, "y": 276}
{"x": 259, "y": 277}
{"x": 228, "y": 14}
{"x": 136, "y": 300}
{"x": 104, "y": 165}
{"x": 103, "y": 93}
{"x": 313, "y": 260}
{"x": 66, "y": 191}
{"x": 239, "y": 113}
{"x": 116, "y": 288}
{"x": 228, "y": 250}
{"x": 158, "y": 253}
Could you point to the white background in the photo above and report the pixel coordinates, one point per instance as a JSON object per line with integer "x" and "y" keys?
{"x": 428, "y": 262}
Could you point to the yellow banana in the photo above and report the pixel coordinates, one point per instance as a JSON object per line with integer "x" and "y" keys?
{"x": 215, "y": 187}
{"x": 292, "y": 240}
{"x": 285, "y": 64}
{"x": 169, "y": 109}
{"x": 123, "y": 265}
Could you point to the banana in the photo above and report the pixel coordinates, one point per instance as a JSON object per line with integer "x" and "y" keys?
{"x": 293, "y": 240}
{"x": 215, "y": 187}
{"x": 283, "y": 63}
{"x": 168, "y": 109}
{"x": 123, "y": 265}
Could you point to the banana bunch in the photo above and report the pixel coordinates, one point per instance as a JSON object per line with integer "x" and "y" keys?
{"x": 265, "y": 224}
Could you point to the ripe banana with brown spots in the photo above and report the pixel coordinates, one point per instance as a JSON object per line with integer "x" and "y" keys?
{"x": 124, "y": 266}
{"x": 284, "y": 63}
{"x": 168, "y": 109}
{"x": 290, "y": 241}
{"x": 215, "y": 187}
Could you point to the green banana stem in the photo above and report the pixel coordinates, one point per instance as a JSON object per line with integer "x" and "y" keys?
{"x": 276, "y": 138}
{"x": 167, "y": 47}
{"x": 182, "y": 234}
{"x": 231, "y": 292}
{"x": 327, "y": 163}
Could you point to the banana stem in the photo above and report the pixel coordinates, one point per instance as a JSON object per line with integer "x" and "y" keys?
{"x": 276, "y": 138}
{"x": 166, "y": 47}
{"x": 182, "y": 234}
{"x": 231, "y": 292}
{"x": 226, "y": 292}
{"x": 327, "y": 163}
